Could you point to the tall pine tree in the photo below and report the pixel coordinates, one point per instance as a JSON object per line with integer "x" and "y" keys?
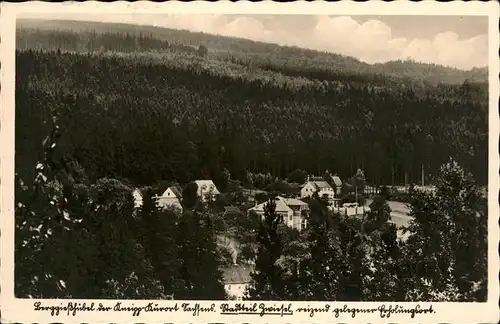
{"x": 267, "y": 281}
{"x": 158, "y": 235}
{"x": 200, "y": 264}
{"x": 447, "y": 246}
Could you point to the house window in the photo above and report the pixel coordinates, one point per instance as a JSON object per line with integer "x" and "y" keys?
{"x": 290, "y": 218}
{"x": 303, "y": 223}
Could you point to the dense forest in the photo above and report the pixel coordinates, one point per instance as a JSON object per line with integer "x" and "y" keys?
{"x": 257, "y": 52}
{"x": 99, "y": 113}
{"x": 149, "y": 117}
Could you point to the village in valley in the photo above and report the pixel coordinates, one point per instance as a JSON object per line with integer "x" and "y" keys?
{"x": 344, "y": 198}
{"x": 163, "y": 163}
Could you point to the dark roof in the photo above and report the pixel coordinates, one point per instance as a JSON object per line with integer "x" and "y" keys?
{"x": 321, "y": 184}
{"x": 177, "y": 191}
{"x": 337, "y": 181}
{"x": 237, "y": 274}
{"x": 232, "y": 210}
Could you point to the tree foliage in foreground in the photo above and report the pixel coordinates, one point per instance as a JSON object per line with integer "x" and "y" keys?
{"x": 443, "y": 259}
{"x": 448, "y": 242}
{"x": 267, "y": 279}
{"x": 77, "y": 239}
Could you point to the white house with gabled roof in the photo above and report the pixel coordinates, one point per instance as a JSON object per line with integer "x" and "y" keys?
{"x": 322, "y": 188}
{"x": 237, "y": 279}
{"x": 206, "y": 189}
{"x": 171, "y": 198}
{"x": 300, "y": 210}
{"x": 292, "y": 211}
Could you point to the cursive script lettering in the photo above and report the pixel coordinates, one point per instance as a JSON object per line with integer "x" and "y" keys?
{"x": 313, "y": 310}
{"x": 239, "y": 308}
{"x": 275, "y": 310}
{"x": 70, "y": 308}
{"x": 197, "y": 309}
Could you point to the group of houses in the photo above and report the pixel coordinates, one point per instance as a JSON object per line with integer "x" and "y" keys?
{"x": 293, "y": 212}
{"x": 172, "y": 196}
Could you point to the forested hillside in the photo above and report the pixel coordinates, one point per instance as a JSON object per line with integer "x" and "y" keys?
{"x": 292, "y": 59}
{"x": 147, "y": 117}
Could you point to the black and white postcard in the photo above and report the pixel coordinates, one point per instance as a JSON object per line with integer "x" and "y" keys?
{"x": 238, "y": 162}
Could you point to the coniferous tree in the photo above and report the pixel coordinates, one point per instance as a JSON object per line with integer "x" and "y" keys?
{"x": 384, "y": 277}
{"x": 320, "y": 274}
{"x": 385, "y": 192}
{"x": 355, "y": 251}
{"x": 297, "y": 176}
{"x": 118, "y": 263}
{"x": 223, "y": 180}
{"x": 202, "y": 51}
{"x": 378, "y": 215}
{"x": 447, "y": 244}
{"x": 384, "y": 273}
{"x": 190, "y": 195}
{"x": 267, "y": 279}
{"x": 158, "y": 236}
{"x": 200, "y": 262}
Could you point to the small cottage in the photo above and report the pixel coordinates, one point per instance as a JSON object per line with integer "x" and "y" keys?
{"x": 236, "y": 280}
{"x": 322, "y": 188}
{"x": 172, "y": 197}
{"x": 206, "y": 189}
{"x": 282, "y": 209}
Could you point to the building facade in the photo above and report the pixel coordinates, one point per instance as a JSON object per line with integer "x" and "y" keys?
{"x": 322, "y": 188}
{"x": 206, "y": 190}
{"x": 171, "y": 198}
{"x": 293, "y": 212}
{"x": 236, "y": 281}
{"x": 300, "y": 211}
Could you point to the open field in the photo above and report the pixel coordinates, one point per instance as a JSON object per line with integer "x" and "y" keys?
{"x": 399, "y": 213}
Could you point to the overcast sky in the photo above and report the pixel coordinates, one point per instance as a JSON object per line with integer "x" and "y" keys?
{"x": 460, "y": 42}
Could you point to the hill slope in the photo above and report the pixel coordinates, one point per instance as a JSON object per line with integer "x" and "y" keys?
{"x": 179, "y": 116}
{"x": 290, "y": 60}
